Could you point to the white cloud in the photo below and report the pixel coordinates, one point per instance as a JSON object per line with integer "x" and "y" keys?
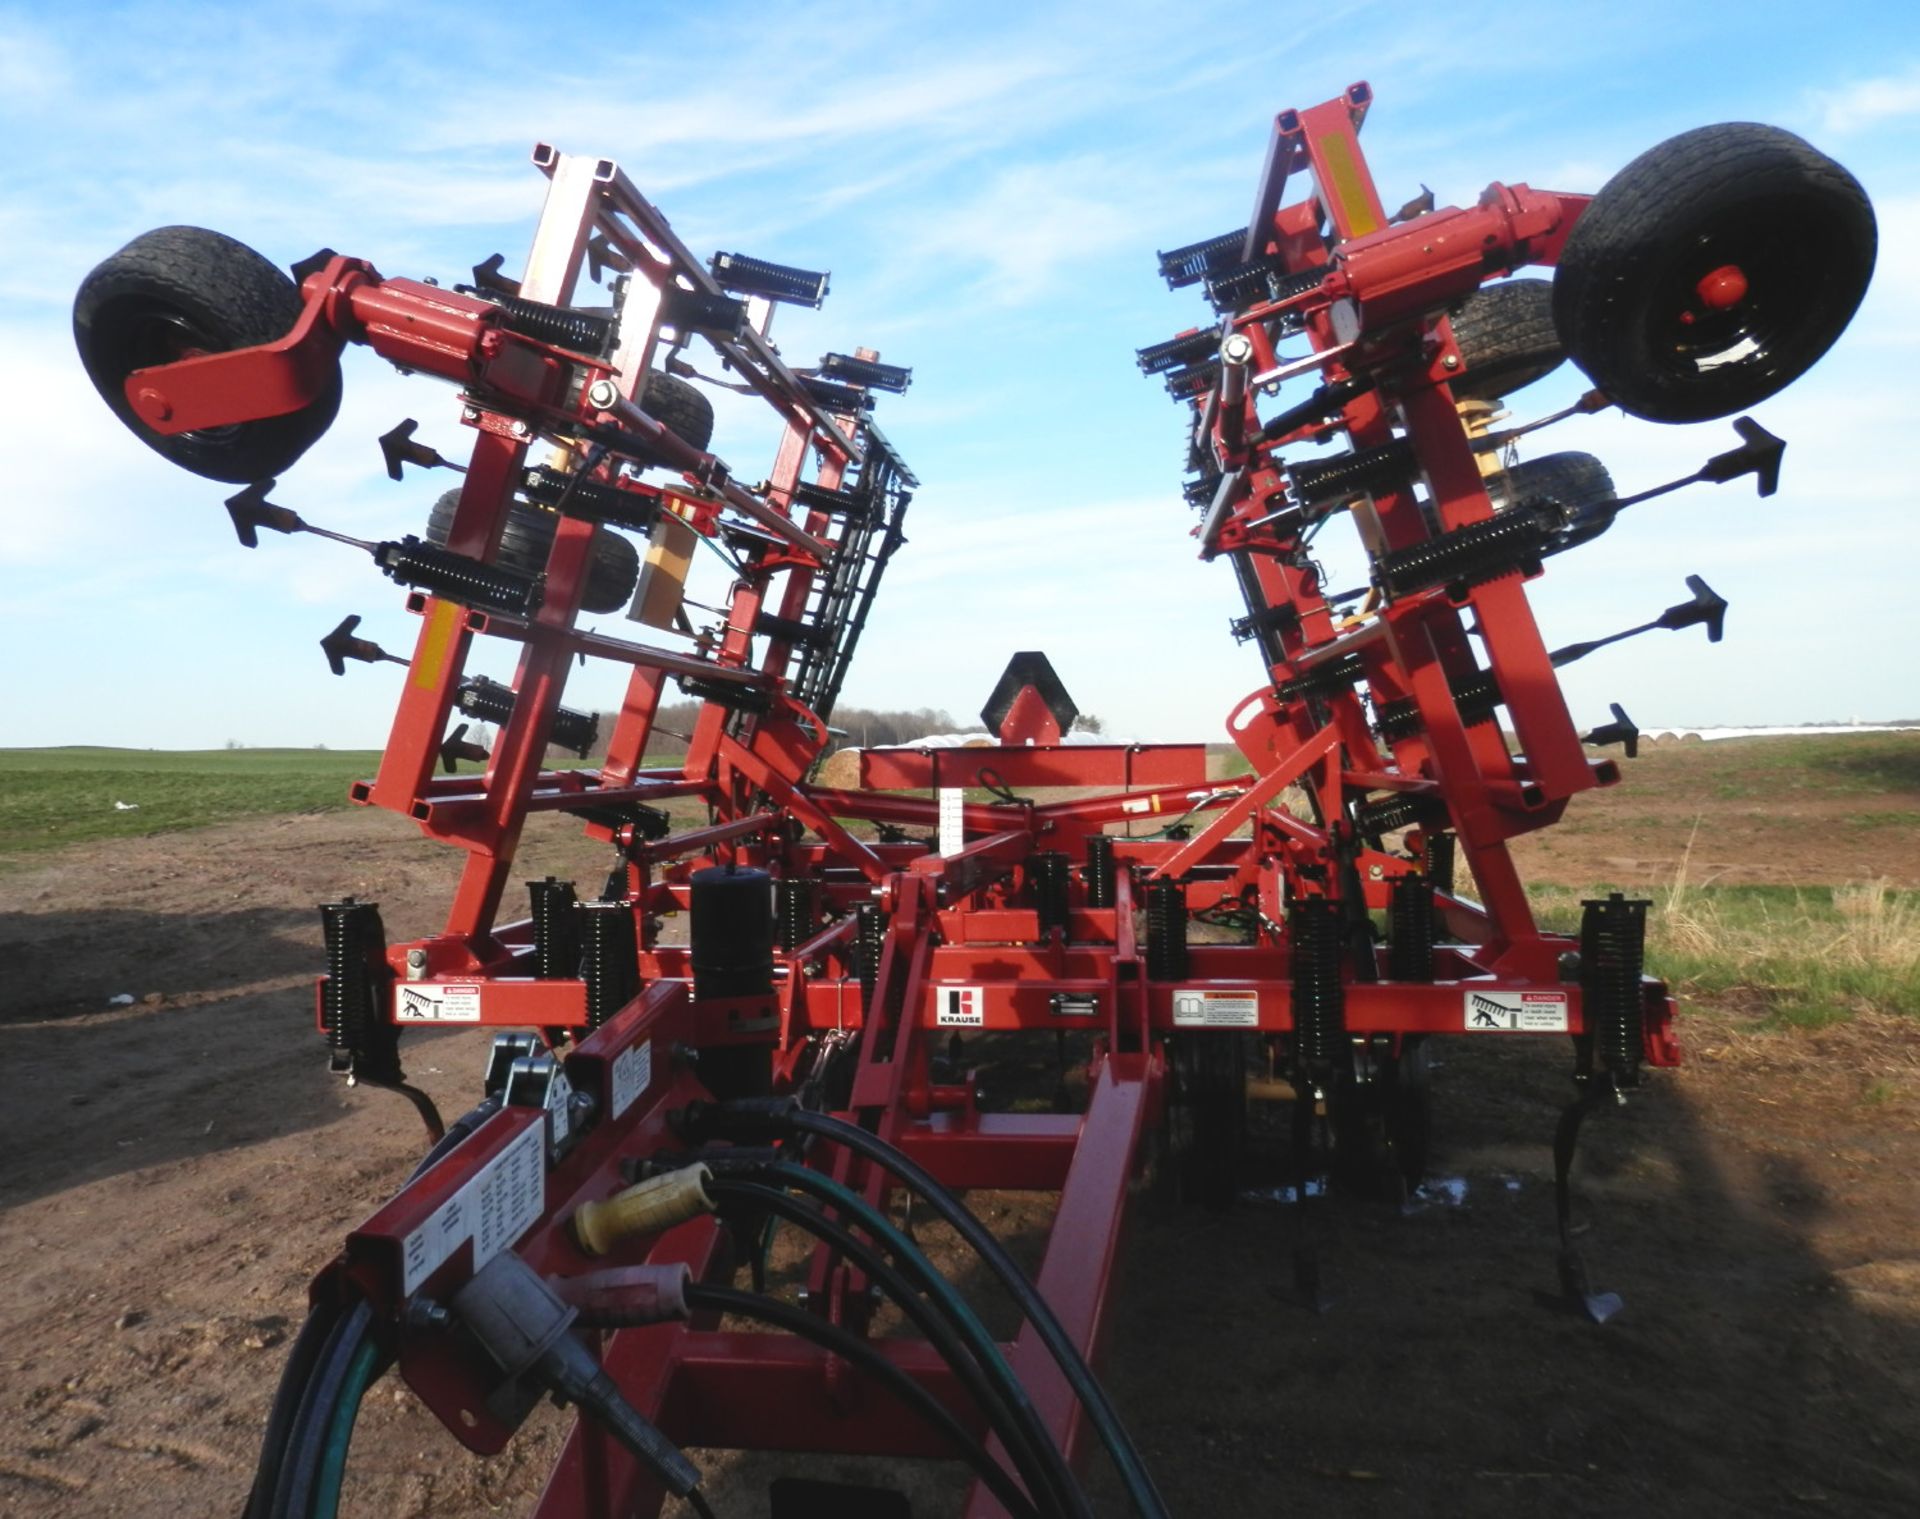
{"x": 1868, "y": 102}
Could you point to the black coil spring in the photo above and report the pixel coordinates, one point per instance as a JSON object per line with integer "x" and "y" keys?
{"x": 1613, "y": 945}
{"x": 793, "y": 911}
{"x": 1166, "y": 930}
{"x": 1410, "y": 928}
{"x": 609, "y": 958}
{"x": 1387, "y": 467}
{"x": 595, "y": 500}
{"x": 1477, "y": 697}
{"x": 575, "y": 331}
{"x": 1392, "y": 813}
{"x": 1099, "y": 873}
{"x": 1325, "y": 679}
{"x": 455, "y": 577}
{"x": 350, "y": 1010}
{"x": 491, "y": 702}
{"x": 1185, "y": 384}
{"x": 1515, "y": 539}
{"x": 1194, "y": 262}
{"x": 1178, "y": 353}
{"x": 556, "y": 929}
{"x": 1050, "y": 871}
{"x": 1439, "y": 853}
{"x": 1199, "y": 491}
{"x": 1319, "y": 994}
{"x": 869, "y": 938}
{"x": 1260, "y": 280}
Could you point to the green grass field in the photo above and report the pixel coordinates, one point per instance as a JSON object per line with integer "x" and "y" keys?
{"x": 51, "y": 797}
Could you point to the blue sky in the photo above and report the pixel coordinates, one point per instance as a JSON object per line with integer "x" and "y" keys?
{"x": 988, "y": 185}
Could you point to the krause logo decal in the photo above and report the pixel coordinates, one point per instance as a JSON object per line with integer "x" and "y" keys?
{"x": 960, "y": 1006}
{"x": 1516, "y": 1012}
{"x": 436, "y": 1002}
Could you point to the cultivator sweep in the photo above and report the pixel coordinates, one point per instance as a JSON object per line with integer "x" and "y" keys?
{"x": 651, "y": 1107}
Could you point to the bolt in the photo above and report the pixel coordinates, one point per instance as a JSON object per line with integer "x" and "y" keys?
{"x": 1451, "y": 361}
{"x": 154, "y": 404}
{"x": 425, "y": 1313}
{"x": 416, "y": 964}
{"x": 470, "y": 413}
{"x": 520, "y": 430}
{"x": 602, "y": 394}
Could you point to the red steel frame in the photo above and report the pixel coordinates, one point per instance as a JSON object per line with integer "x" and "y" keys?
{"x": 964, "y": 918}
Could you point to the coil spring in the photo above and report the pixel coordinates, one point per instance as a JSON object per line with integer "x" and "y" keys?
{"x": 1387, "y": 467}
{"x": 1439, "y": 859}
{"x": 556, "y": 929}
{"x": 575, "y": 331}
{"x": 1410, "y": 922}
{"x": 793, "y": 911}
{"x": 455, "y": 577}
{"x": 1166, "y": 930}
{"x": 1476, "y": 697}
{"x": 1319, "y": 996}
{"x": 1260, "y": 280}
{"x": 1514, "y": 539}
{"x": 1613, "y": 939}
{"x": 609, "y": 958}
{"x": 1185, "y": 384}
{"x": 1392, "y": 813}
{"x": 869, "y": 938}
{"x": 1324, "y": 680}
{"x": 1099, "y": 874}
{"x": 595, "y": 500}
{"x": 1191, "y": 264}
{"x": 1199, "y": 492}
{"x": 1177, "y": 353}
{"x": 350, "y": 1010}
{"x": 1050, "y": 871}
{"x": 491, "y": 702}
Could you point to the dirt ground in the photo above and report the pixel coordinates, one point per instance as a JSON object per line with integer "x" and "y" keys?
{"x": 177, "y": 1168}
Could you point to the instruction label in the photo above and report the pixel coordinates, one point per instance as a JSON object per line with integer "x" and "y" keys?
{"x": 1515, "y": 1012}
{"x": 1198, "y": 1009}
{"x": 960, "y": 1006}
{"x": 499, "y": 1203}
{"x": 632, "y": 1074}
{"x": 436, "y": 1002}
{"x": 953, "y": 820}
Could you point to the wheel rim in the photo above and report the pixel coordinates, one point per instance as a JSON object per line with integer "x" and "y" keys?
{"x": 1701, "y": 323}
{"x": 148, "y": 336}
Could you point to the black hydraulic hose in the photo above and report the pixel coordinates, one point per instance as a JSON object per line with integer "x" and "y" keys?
{"x": 1014, "y": 1420}
{"x": 457, "y": 1131}
{"x": 320, "y": 1323}
{"x": 857, "y": 1208}
{"x": 1100, "y": 1411}
{"x": 862, "y": 1353}
{"x": 306, "y": 1440}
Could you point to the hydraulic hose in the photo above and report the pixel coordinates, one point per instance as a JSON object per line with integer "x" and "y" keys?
{"x": 1000, "y": 1397}
{"x": 305, "y": 1449}
{"x": 320, "y": 1323}
{"x": 1100, "y": 1411}
{"x": 862, "y": 1353}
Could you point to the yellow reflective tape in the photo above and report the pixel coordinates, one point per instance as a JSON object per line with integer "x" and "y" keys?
{"x": 1351, "y": 202}
{"x": 430, "y": 662}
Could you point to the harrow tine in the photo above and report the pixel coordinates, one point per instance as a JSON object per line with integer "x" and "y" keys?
{"x": 1576, "y": 1290}
{"x": 342, "y": 644}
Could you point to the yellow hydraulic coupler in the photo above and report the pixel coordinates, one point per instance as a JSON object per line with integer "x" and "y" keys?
{"x": 647, "y": 1207}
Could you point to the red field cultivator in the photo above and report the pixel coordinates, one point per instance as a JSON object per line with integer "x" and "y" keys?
{"x": 651, "y": 1108}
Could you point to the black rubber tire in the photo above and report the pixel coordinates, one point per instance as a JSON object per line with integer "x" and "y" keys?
{"x": 1506, "y": 338}
{"x": 1796, "y": 224}
{"x": 1579, "y": 482}
{"x": 527, "y": 539}
{"x": 177, "y": 291}
{"x": 681, "y": 407}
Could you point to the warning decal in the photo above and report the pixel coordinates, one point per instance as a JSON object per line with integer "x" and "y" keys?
{"x": 1515, "y": 1012}
{"x": 632, "y": 1074}
{"x": 1198, "y": 1009}
{"x": 499, "y": 1204}
{"x": 960, "y": 1006}
{"x": 436, "y": 1002}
